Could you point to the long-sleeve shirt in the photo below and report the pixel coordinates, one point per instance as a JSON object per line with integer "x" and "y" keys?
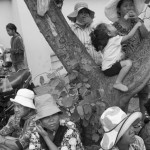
{"x": 12, "y": 127}
{"x": 17, "y": 49}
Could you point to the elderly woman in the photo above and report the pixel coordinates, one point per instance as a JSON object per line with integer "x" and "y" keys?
{"x": 24, "y": 109}
{"x": 54, "y": 133}
{"x": 124, "y": 15}
{"x": 119, "y": 132}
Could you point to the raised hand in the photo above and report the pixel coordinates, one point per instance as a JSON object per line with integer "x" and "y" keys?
{"x": 41, "y": 131}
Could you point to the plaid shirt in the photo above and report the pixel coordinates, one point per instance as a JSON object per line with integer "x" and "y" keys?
{"x": 12, "y": 127}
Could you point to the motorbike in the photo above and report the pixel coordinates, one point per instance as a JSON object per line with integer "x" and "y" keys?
{"x": 10, "y": 83}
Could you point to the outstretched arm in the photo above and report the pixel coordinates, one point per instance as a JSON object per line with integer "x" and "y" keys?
{"x": 132, "y": 32}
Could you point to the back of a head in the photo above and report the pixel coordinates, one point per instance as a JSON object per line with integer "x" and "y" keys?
{"x": 11, "y": 26}
{"x": 99, "y": 37}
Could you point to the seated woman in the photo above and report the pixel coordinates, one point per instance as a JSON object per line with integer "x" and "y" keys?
{"x": 54, "y": 133}
{"x": 119, "y": 132}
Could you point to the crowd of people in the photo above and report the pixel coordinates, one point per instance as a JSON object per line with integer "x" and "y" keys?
{"x": 37, "y": 123}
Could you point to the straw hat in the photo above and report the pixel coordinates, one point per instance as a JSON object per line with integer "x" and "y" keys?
{"x": 24, "y": 97}
{"x": 111, "y": 9}
{"x": 72, "y": 16}
{"x": 45, "y": 106}
{"x": 115, "y": 123}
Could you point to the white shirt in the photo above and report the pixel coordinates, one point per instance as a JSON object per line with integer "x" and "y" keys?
{"x": 84, "y": 37}
{"x": 112, "y": 52}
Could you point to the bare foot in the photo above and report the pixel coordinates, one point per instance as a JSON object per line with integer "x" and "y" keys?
{"x": 120, "y": 87}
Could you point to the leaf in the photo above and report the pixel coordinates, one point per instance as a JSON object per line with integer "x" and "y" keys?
{"x": 63, "y": 94}
{"x": 42, "y": 80}
{"x": 95, "y": 137}
{"x": 87, "y": 67}
{"x": 87, "y": 85}
{"x": 84, "y": 61}
{"x": 67, "y": 101}
{"x": 80, "y": 110}
{"x": 85, "y": 79}
{"x": 54, "y": 82}
{"x": 66, "y": 80}
{"x": 87, "y": 116}
{"x": 79, "y": 85}
{"x": 60, "y": 86}
{"x": 85, "y": 123}
{"x": 83, "y": 90}
{"x": 73, "y": 63}
{"x": 87, "y": 109}
{"x": 72, "y": 76}
{"x": 100, "y": 131}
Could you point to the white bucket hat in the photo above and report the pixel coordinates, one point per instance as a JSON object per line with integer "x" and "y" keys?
{"x": 115, "y": 123}
{"x": 45, "y": 106}
{"x": 111, "y": 9}
{"x": 24, "y": 97}
{"x": 72, "y": 16}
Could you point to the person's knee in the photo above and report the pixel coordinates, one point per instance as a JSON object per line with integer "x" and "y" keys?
{"x": 128, "y": 63}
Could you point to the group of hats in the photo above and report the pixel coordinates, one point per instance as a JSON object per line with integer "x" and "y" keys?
{"x": 110, "y": 9}
{"x": 114, "y": 121}
{"x": 44, "y": 104}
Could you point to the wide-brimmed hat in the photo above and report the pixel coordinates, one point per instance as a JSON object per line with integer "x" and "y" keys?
{"x": 111, "y": 9}
{"x": 115, "y": 123}
{"x": 72, "y": 16}
{"x": 45, "y": 106}
{"x": 24, "y": 97}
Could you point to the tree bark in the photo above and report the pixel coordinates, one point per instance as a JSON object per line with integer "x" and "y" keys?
{"x": 74, "y": 56}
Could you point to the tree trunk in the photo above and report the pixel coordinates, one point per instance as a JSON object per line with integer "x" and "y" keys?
{"x": 74, "y": 56}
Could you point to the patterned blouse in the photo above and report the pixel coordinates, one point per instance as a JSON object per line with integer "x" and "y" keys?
{"x": 67, "y": 137}
{"x": 29, "y": 125}
{"x": 137, "y": 145}
{"x": 12, "y": 128}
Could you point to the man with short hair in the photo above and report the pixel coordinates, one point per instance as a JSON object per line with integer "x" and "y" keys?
{"x": 23, "y": 107}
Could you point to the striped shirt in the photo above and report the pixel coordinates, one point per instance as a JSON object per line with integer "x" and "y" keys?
{"x": 84, "y": 37}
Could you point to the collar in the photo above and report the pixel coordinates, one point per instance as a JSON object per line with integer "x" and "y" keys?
{"x": 77, "y": 25}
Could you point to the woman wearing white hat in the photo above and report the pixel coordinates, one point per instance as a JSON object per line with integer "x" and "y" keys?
{"x": 25, "y": 109}
{"x": 124, "y": 14}
{"x": 82, "y": 18}
{"x": 55, "y": 133}
{"x": 118, "y": 130}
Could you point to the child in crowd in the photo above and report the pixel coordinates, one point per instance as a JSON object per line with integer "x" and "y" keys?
{"x": 105, "y": 38}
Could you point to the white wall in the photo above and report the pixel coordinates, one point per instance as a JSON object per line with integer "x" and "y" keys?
{"x": 5, "y": 17}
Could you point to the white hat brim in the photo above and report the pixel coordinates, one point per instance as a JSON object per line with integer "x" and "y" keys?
{"x": 111, "y": 138}
{"x": 23, "y": 101}
{"x": 111, "y": 9}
